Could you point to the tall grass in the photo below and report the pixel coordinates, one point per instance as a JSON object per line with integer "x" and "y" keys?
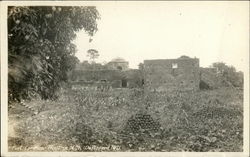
{"x": 189, "y": 121}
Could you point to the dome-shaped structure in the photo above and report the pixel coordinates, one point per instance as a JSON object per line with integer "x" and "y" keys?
{"x": 118, "y": 64}
{"x": 118, "y": 59}
{"x": 184, "y": 57}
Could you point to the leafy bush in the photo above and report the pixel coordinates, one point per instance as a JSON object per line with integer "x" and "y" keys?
{"x": 40, "y": 52}
{"x": 230, "y": 76}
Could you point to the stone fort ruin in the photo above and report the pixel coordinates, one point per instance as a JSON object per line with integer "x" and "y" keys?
{"x": 182, "y": 74}
{"x": 171, "y": 74}
{"x": 116, "y": 75}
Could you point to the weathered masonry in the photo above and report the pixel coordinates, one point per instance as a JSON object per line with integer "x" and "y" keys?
{"x": 114, "y": 78}
{"x": 181, "y": 74}
{"x": 118, "y": 64}
{"x": 171, "y": 74}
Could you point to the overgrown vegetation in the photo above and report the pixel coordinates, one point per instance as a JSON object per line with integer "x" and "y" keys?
{"x": 40, "y": 52}
{"x": 40, "y": 56}
{"x": 229, "y": 75}
{"x": 102, "y": 121}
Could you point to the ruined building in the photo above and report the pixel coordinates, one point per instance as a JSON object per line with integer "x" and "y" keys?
{"x": 171, "y": 74}
{"x": 156, "y": 75}
{"x": 115, "y": 75}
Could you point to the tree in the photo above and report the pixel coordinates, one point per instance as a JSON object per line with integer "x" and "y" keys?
{"x": 40, "y": 52}
{"x": 92, "y": 54}
{"x": 229, "y": 74}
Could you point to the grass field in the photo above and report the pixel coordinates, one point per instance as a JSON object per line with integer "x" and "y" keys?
{"x": 129, "y": 120}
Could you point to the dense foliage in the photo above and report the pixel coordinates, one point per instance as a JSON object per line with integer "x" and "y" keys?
{"x": 40, "y": 52}
{"x": 230, "y": 76}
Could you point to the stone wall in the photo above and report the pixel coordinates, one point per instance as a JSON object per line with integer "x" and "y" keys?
{"x": 171, "y": 74}
{"x": 157, "y": 75}
{"x": 115, "y": 78}
{"x": 97, "y": 75}
{"x": 134, "y": 78}
{"x": 95, "y": 78}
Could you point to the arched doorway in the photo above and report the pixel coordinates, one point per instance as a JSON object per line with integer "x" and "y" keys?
{"x": 119, "y": 67}
{"x": 124, "y": 83}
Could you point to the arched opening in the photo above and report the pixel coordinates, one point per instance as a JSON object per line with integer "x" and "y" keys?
{"x": 119, "y": 67}
{"x": 124, "y": 83}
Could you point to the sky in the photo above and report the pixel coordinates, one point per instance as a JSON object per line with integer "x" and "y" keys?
{"x": 211, "y": 31}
